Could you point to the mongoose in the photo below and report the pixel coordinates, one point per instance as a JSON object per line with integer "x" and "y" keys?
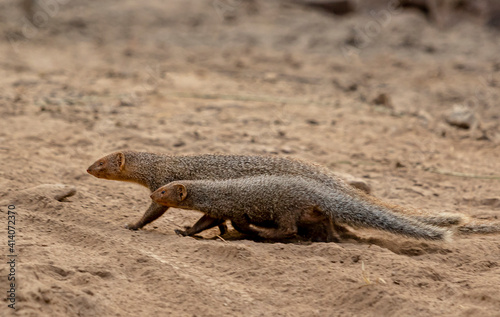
{"x": 287, "y": 201}
{"x": 154, "y": 170}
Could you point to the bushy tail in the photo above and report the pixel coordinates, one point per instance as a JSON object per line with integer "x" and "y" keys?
{"x": 362, "y": 213}
{"x": 479, "y": 227}
{"x": 441, "y": 219}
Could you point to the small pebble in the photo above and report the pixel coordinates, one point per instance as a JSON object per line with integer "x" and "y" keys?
{"x": 461, "y": 117}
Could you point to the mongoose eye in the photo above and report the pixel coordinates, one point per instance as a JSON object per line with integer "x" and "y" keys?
{"x": 163, "y": 192}
{"x": 101, "y": 163}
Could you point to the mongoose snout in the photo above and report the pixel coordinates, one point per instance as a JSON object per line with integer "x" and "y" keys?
{"x": 97, "y": 168}
{"x": 157, "y": 195}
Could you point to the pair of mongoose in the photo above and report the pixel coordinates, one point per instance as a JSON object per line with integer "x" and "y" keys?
{"x": 155, "y": 170}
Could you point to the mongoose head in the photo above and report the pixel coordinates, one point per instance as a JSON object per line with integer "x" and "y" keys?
{"x": 108, "y": 167}
{"x": 170, "y": 195}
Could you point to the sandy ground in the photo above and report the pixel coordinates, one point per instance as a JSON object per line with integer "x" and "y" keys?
{"x": 248, "y": 78}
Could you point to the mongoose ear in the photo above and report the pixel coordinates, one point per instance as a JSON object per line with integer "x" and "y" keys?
{"x": 121, "y": 160}
{"x": 181, "y": 191}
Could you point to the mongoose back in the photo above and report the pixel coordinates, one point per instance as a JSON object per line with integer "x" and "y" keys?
{"x": 154, "y": 170}
{"x": 287, "y": 201}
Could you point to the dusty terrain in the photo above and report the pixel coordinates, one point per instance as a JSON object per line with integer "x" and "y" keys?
{"x": 359, "y": 96}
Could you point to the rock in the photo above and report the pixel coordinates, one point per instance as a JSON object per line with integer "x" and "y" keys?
{"x": 383, "y": 100}
{"x": 47, "y": 192}
{"x": 287, "y": 150}
{"x": 125, "y": 103}
{"x": 492, "y": 202}
{"x": 179, "y": 143}
{"x": 461, "y": 117}
{"x": 357, "y": 182}
{"x": 400, "y": 165}
{"x": 312, "y": 121}
{"x": 64, "y": 193}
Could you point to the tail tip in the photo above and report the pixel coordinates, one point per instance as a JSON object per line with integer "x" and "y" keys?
{"x": 448, "y": 236}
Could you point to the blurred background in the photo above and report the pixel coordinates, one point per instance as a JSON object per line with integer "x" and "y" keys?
{"x": 331, "y": 81}
{"x": 403, "y": 95}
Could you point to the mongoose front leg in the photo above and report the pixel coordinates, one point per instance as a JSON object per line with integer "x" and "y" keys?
{"x": 205, "y": 222}
{"x": 154, "y": 212}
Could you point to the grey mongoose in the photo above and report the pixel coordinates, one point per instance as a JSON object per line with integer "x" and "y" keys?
{"x": 287, "y": 201}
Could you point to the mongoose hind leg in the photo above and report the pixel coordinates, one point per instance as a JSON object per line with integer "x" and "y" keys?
{"x": 154, "y": 212}
{"x": 321, "y": 231}
{"x": 316, "y": 226}
{"x": 205, "y": 222}
{"x": 326, "y": 231}
{"x": 243, "y": 225}
{"x": 329, "y": 232}
{"x": 344, "y": 233}
{"x": 277, "y": 233}
{"x": 287, "y": 228}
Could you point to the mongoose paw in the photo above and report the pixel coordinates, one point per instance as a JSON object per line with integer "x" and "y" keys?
{"x": 181, "y": 232}
{"x": 131, "y": 226}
